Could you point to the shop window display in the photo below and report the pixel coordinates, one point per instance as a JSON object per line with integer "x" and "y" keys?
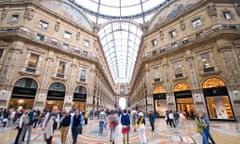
{"x": 219, "y": 107}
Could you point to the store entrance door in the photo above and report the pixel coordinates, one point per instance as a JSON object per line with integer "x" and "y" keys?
{"x": 53, "y": 103}
{"x": 186, "y": 105}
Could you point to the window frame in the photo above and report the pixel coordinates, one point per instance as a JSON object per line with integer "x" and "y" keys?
{"x": 16, "y": 16}
{"x": 33, "y": 68}
{"x": 83, "y": 76}
{"x": 39, "y": 37}
{"x": 227, "y": 15}
{"x": 197, "y": 22}
{"x": 61, "y": 69}
{"x": 43, "y": 25}
{"x": 86, "y": 43}
{"x": 67, "y": 35}
{"x": 173, "y": 34}
{"x": 154, "y": 42}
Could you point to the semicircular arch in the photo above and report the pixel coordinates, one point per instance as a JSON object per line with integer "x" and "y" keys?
{"x": 57, "y": 86}
{"x": 159, "y": 89}
{"x": 182, "y": 86}
{"x": 26, "y": 83}
{"x": 213, "y": 82}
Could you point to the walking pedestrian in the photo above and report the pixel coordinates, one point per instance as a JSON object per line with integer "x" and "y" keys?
{"x": 206, "y": 121}
{"x": 102, "y": 121}
{"x": 125, "y": 121}
{"x": 200, "y": 127}
{"x": 64, "y": 126}
{"x": 76, "y": 125}
{"x": 140, "y": 128}
{"x": 113, "y": 122}
{"x": 152, "y": 120}
{"x": 27, "y": 125}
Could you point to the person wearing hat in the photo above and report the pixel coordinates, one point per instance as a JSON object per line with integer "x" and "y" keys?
{"x": 140, "y": 128}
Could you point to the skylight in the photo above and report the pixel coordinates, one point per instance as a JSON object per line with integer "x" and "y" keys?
{"x": 120, "y": 31}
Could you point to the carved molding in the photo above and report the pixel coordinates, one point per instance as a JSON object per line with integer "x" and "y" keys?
{"x": 4, "y": 43}
{"x": 28, "y": 14}
{"x": 182, "y": 24}
{"x": 212, "y": 10}
{"x": 29, "y": 74}
{"x": 57, "y": 26}
{"x": 237, "y": 8}
{"x": 60, "y": 79}
{"x": 4, "y": 13}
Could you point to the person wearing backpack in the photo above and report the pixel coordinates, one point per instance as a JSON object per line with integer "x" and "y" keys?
{"x": 125, "y": 121}
{"x": 27, "y": 121}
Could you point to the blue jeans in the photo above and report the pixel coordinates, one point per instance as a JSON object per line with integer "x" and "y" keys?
{"x": 75, "y": 132}
{"x": 101, "y": 126}
{"x": 204, "y": 138}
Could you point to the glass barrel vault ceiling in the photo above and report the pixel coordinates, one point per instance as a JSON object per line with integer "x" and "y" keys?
{"x": 120, "y": 31}
{"x": 120, "y": 40}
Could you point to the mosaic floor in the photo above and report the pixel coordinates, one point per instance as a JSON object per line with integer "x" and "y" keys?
{"x": 222, "y": 132}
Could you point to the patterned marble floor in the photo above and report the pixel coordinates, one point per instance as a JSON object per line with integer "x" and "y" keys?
{"x": 223, "y": 133}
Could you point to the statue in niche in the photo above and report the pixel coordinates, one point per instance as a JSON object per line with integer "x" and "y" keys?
{"x": 212, "y": 11}
{"x": 28, "y": 14}
{"x": 78, "y": 36}
{"x": 182, "y": 25}
{"x": 161, "y": 35}
{"x": 57, "y": 26}
{"x": 4, "y": 14}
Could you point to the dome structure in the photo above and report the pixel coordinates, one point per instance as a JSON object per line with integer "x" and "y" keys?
{"x": 68, "y": 11}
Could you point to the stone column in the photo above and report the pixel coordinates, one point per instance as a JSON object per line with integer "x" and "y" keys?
{"x": 197, "y": 95}
{"x": 41, "y": 96}
{"x": 9, "y": 70}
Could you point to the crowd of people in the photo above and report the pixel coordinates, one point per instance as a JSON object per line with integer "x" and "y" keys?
{"x": 71, "y": 123}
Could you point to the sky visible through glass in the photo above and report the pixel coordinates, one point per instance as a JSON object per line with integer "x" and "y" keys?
{"x": 120, "y": 31}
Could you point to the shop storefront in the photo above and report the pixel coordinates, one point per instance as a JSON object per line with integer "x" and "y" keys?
{"x": 217, "y": 100}
{"x": 79, "y": 98}
{"x": 160, "y": 101}
{"x": 183, "y": 98}
{"x": 55, "y": 96}
{"x": 23, "y": 93}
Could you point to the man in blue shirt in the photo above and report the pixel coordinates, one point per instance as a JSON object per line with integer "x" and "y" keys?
{"x": 125, "y": 121}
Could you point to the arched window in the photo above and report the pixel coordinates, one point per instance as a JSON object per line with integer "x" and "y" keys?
{"x": 213, "y": 82}
{"x": 26, "y": 83}
{"x": 57, "y": 87}
{"x": 182, "y": 87}
{"x": 80, "y": 94}
{"x": 80, "y": 90}
{"x": 159, "y": 89}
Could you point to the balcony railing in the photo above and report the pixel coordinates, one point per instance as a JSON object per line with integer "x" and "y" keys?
{"x": 156, "y": 80}
{"x": 208, "y": 69}
{"x": 31, "y": 34}
{"x": 60, "y": 75}
{"x": 31, "y": 70}
{"x": 179, "y": 75}
{"x": 191, "y": 38}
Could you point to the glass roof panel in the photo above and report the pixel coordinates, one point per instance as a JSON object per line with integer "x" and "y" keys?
{"x": 119, "y": 30}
